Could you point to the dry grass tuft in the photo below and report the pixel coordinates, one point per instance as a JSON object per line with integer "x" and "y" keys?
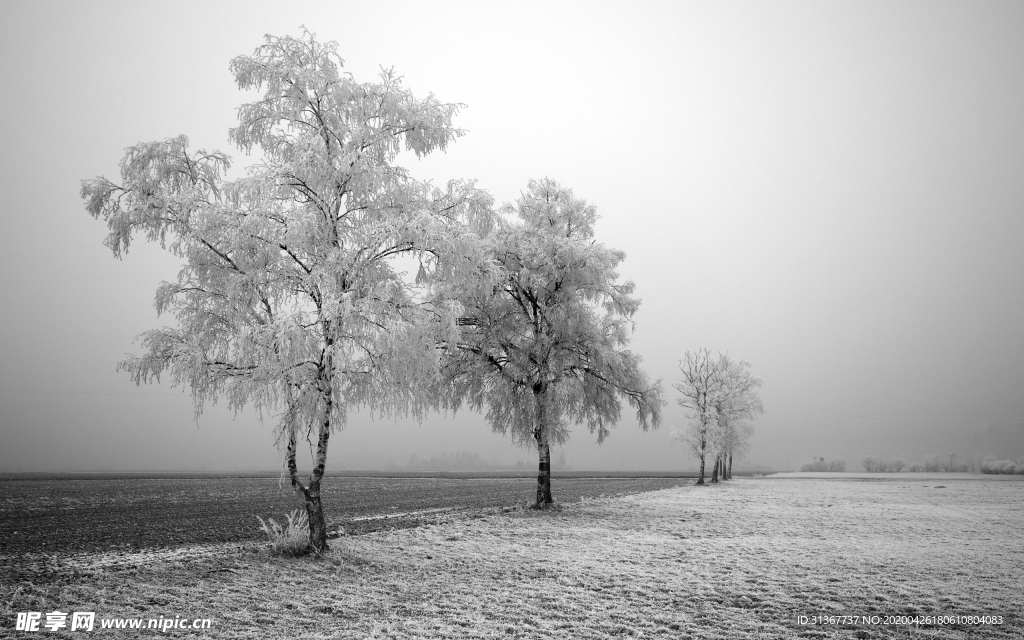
{"x": 289, "y": 540}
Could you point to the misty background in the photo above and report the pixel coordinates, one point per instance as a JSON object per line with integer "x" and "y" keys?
{"x": 833, "y": 192}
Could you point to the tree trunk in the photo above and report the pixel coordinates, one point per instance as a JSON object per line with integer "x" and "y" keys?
{"x": 293, "y": 473}
{"x": 540, "y": 433}
{"x": 544, "y": 498}
{"x": 315, "y": 510}
{"x": 730, "y": 466}
{"x": 700, "y": 479}
{"x": 714, "y": 473}
{"x": 311, "y": 493}
{"x": 317, "y": 523}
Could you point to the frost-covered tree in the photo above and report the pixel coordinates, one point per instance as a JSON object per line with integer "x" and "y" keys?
{"x": 545, "y": 347}
{"x": 735, "y": 402}
{"x": 694, "y": 438}
{"x": 289, "y": 299}
{"x": 719, "y": 395}
{"x": 737, "y": 443}
{"x": 698, "y": 388}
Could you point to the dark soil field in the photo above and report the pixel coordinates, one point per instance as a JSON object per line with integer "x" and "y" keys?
{"x": 68, "y": 513}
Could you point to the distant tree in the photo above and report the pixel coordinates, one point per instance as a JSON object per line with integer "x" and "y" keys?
{"x": 738, "y": 443}
{"x": 993, "y": 465}
{"x": 694, "y": 438}
{"x": 698, "y": 390}
{"x": 821, "y": 465}
{"x": 879, "y": 465}
{"x": 720, "y": 396}
{"x": 545, "y": 347}
{"x": 871, "y": 464}
{"x": 289, "y": 299}
{"x": 718, "y": 464}
{"x": 818, "y": 465}
{"x": 736, "y": 401}
{"x": 447, "y": 461}
{"x": 895, "y": 465}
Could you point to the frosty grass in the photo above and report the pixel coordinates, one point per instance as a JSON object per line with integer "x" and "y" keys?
{"x": 740, "y": 560}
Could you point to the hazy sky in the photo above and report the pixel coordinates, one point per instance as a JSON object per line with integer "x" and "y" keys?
{"x": 833, "y": 191}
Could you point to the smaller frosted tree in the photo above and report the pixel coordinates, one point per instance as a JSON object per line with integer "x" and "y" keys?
{"x": 698, "y": 389}
{"x": 693, "y": 437}
{"x": 735, "y": 402}
{"x": 545, "y": 347}
{"x": 719, "y": 395}
{"x": 736, "y": 444}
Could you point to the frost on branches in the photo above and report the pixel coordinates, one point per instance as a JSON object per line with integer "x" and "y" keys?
{"x": 720, "y": 397}
{"x": 289, "y": 299}
{"x": 545, "y": 347}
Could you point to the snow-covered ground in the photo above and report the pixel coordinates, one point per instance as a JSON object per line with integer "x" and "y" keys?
{"x": 745, "y": 559}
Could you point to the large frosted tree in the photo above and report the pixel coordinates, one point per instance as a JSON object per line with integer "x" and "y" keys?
{"x": 289, "y": 299}
{"x": 544, "y": 347}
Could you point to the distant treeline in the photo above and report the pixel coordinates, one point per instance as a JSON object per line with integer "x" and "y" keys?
{"x": 991, "y": 465}
{"x": 466, "y": 461}
{"x": 931, "y": 463}
{"x": 819, "y": 464}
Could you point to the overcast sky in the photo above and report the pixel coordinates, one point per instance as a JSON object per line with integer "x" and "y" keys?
{"x": 832, "y": 191}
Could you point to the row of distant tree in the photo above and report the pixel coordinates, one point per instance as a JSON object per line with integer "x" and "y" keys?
{"x": 720, "y": 397}
{"x": 992, "y": 465}
{"x": 467, "y": 461}
{"x": 820, "y": 465}
{"x": 930, "y": 463}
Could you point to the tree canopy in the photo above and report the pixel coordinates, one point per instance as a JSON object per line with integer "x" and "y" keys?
{"x": 545, "y": 346}
{"x": 289, "y": 299}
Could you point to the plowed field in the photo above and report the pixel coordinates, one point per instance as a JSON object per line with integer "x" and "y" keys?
{"x": 77, "y": 514}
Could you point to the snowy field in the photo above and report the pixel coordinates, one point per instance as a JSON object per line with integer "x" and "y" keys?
{"x": 742, "y": 560}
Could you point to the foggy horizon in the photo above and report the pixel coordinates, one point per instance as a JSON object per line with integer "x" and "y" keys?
{"x": 832, "y": 193}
